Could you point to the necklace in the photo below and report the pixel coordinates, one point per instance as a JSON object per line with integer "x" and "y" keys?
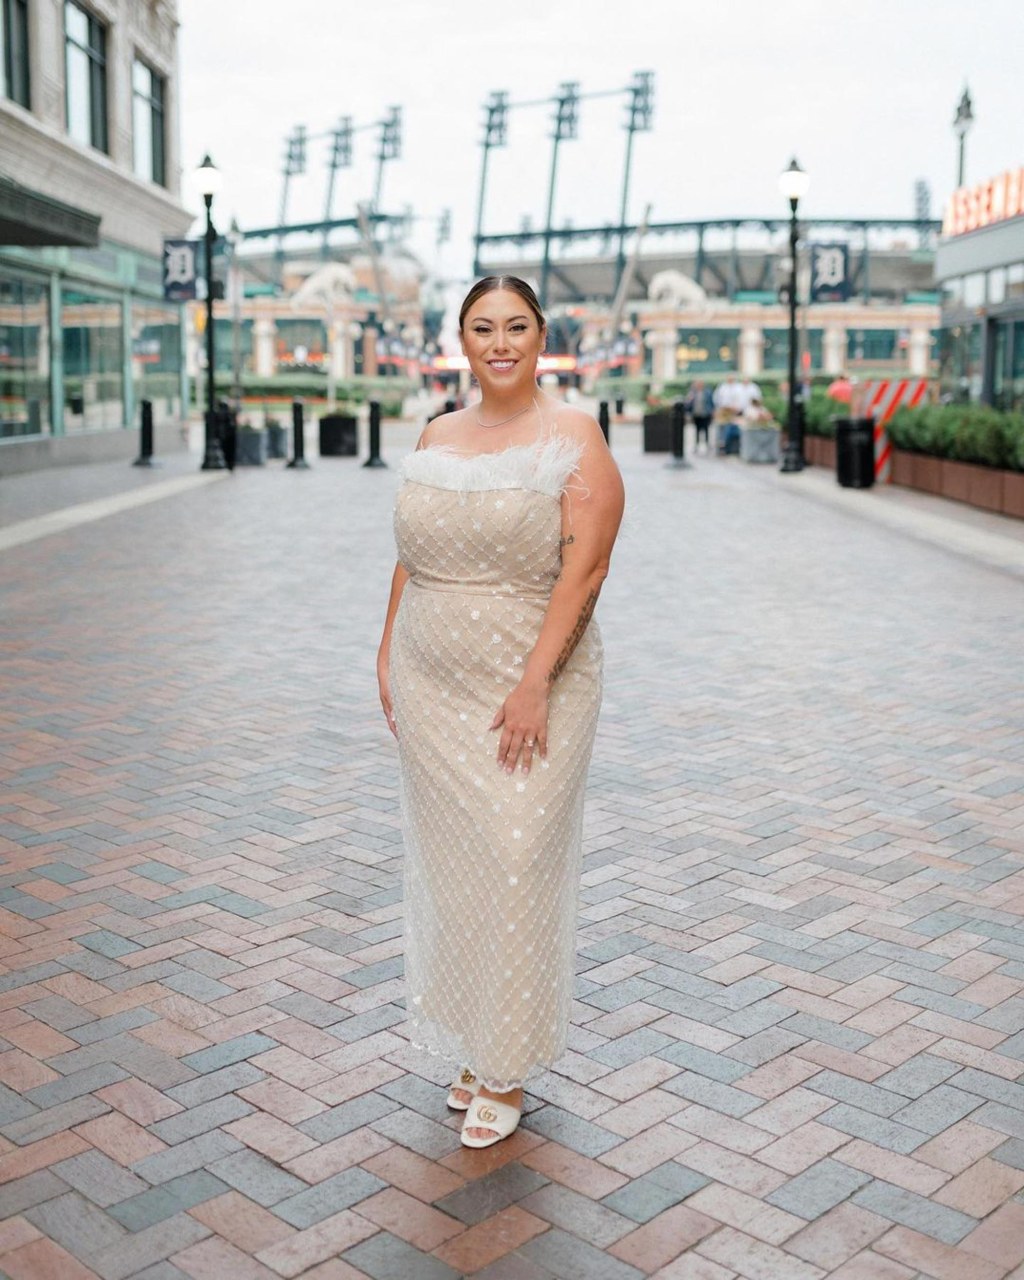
{"x": 517, "y": 413}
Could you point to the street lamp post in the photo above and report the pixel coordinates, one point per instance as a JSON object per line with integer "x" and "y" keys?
{"x": 793, "y": 183}
{"x": 962, "y": 122}
{"x": 208, "y": 182}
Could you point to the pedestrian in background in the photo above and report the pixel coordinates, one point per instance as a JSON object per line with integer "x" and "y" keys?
{"x": 700, "y": 405}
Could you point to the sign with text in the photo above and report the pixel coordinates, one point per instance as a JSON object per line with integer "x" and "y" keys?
{"x": 979, "y": 206}
{"x": 830, "y": 272}
{"x": 181, "y": 267}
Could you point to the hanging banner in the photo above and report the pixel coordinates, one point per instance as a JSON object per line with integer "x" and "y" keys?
{"x": 181, "y": 259}
{"x": 830, "y": 272}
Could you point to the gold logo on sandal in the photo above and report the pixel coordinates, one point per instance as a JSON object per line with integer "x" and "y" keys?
{"x": 487, "y": 1114}
{"x": 467, "y": 1076}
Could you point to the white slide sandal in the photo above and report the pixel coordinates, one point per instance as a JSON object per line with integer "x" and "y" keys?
{"x": 466, "y": 1083}
{"x": 485, "y": 1113}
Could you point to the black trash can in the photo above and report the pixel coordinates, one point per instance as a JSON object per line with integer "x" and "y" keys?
{"x": 657, "y": 432}
{"x": 338, "y": 436}
{"x": 855, "y": 452}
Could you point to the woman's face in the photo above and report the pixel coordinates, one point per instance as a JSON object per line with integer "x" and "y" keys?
{"x": 502, "y": 340}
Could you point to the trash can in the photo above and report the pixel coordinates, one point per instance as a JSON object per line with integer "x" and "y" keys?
{"x": 657, "y": 433}
{"x": 338, "y": 437}
{"x": 855, "y": 452}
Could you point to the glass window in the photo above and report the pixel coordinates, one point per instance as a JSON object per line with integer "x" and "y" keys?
{"x": 872, "y": 346}
{"x": 148, "y": 123}
{"x": 960, "y": 363}
{"x": 93, "y": 365}
{"x": 156, "y": 358}
{"x": 226, "y": 333}
{"x": 1015, "y": 280}
{"x": 997, "y": 285}
{"x": 776, "y": 348}
{"x": 24, "y": 357}
{"x": 301, "y": 344}
{"x": 708, "y": 351}
{"x": 974, "y": 289}
{"x": 85, "y": 44}
{"x": 1013, "y": 396}
{"x": 953, "y": 292}
{"x": 14, "y": 50}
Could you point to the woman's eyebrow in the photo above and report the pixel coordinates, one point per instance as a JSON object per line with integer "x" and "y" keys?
{"x": 488, "y": 320}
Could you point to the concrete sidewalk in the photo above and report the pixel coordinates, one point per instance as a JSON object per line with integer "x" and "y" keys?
{"x": 798, "y": 1033}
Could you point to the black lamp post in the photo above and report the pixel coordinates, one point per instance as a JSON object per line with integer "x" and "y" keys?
{"x": 208, "y": 182}
{"x": 793, "y": 184}
{"x": 961, "y": 124}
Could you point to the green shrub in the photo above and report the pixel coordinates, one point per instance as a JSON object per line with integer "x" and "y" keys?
{"x": 962, "y": 432}
{"x": 632, "y": 390}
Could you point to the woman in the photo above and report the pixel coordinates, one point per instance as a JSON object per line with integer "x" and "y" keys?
{"x": 490, "y": 678}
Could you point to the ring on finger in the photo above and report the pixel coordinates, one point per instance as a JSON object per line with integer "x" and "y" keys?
{"x": 528, "y": 742}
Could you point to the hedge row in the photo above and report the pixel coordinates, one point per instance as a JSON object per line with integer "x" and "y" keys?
{"x": 310, "y": 385}
{"x": 962, "y": 433}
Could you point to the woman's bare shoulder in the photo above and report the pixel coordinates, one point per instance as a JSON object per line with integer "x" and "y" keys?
{"x": 441, "y": 430}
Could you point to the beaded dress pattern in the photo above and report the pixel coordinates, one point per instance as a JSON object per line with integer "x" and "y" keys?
{"x": 492, "y": 860}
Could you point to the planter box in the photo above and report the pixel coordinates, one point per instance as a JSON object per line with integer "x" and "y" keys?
{"x": 250, "y": 448}
{"x": 338, "y": 436}
{"x": 1013, "y": 494}
{"x": 975, "y": 485}
{"x": 927, "y": 473}
{"x": 759, "y": 444}
{"x": 657, "y": 433}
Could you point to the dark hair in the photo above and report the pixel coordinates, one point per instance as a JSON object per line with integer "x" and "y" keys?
{"x": 488, "y": 285}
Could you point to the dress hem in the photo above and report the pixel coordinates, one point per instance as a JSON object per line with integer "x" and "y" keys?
{"x": 497, "y": 1086}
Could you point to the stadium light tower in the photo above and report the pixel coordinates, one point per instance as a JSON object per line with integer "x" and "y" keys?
{"x": 639, "y": 120}
{"x": 495, "y": 135}
{"x": 566, "y": 129}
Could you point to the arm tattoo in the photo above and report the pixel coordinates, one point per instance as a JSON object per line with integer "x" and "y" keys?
{"x": 564, "y": 542}
{"x": 576, "y": 635}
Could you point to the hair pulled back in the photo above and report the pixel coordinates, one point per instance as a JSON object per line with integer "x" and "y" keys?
{"x": 488, "y": 285}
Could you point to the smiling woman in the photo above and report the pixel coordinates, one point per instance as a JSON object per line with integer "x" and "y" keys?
{"x": 490, "y": 678}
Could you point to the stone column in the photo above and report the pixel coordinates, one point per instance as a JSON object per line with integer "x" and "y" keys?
{"x": 663, "y": 354}
{"x": 264, "y": 331}
{"x": 751, "y": 351}
{"x": 918, "y": 352}
{"x": 833, "y": 350}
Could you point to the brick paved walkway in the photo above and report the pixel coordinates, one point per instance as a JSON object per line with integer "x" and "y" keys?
{"x": 799, "y": 1026}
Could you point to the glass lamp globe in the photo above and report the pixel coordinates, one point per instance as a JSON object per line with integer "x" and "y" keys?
{"x": 208, "y": 178}
{"x": 794, "y": 182}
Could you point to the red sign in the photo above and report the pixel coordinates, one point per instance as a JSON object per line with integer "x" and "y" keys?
{"x": 993, "y": 201}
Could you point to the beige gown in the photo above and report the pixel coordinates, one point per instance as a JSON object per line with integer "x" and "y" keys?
{"x": 492, "y": 861}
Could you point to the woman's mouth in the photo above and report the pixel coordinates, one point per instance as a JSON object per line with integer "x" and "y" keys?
{"x": 502, "y": 366}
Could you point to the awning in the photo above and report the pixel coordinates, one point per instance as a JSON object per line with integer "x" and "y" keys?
{"x": 29, "y": 218}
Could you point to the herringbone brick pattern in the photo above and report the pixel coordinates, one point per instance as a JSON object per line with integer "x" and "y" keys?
{"x": 799, "y": 1026}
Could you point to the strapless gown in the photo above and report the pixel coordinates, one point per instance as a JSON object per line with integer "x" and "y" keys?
{"x": 492, "y": 861}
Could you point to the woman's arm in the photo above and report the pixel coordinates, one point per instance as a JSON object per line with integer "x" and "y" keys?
{"x": 398, "y": 581}
{"x": 590, "y": 522}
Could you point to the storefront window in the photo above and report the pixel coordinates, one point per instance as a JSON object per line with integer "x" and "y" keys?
{"x": 224, "y": 331}
{"x": 872, "y": 346}
{"x": 156, "y": 358}
{"x": 776, "y": 348}
{"x": 24, "y": 357}
{"x": 708, "y": 351}
{"x": 1015, "y": 280}
{"x": 1013, "y": 391}
{"x": 301, "y": 344}
{"x": 953, "y": 293}
{"x": 974, "y": 289}
{"x": 997, "y": 285}
{"x": 93, "y": 368}
{"x": 960, "y": 363}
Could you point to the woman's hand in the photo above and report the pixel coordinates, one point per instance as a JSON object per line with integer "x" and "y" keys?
{"x": 523, "y": 721}
{"x": 384, "y": 682}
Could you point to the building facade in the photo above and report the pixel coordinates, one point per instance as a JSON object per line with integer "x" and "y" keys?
{"x": 89, "y": 188}
{"x": 980, "y": 268}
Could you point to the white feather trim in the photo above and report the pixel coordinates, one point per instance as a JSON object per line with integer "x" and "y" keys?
{"x": 544, "y": 466}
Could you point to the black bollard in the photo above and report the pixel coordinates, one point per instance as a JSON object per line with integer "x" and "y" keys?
{"x": 450, "y": 406}
{"x": 603, "y": 419}
{"x": 145, "y": 458}
{"x": 679, "y": 436}
{"x": 227, "y": 431}
{"x": 620, "y": 406}
{"x": 298, "y": 462}
{"x": 375, "y": 460}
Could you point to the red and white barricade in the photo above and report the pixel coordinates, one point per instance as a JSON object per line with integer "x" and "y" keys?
{"x": 880, "y": 400}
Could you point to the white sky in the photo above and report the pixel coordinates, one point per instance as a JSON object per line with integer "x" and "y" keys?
{"x": 863, "y": 92}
